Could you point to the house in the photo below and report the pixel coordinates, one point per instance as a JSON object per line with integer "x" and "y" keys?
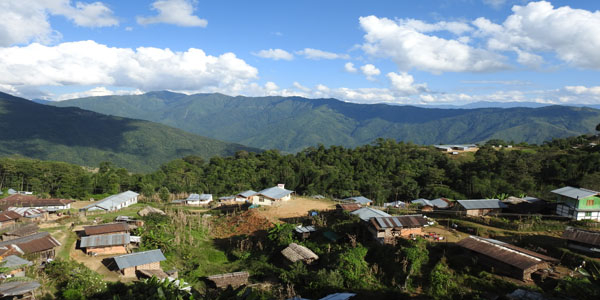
{"x": 505, "y": 258}
{"x": 234, "y": 279}
{"x": 423, "y": 204}
{"x": 111, "y": 228}
{"x": 150, "y": 210}
{"x": 396, "y": 204}
{"x": 22, "y": 231}
{"x": 272, "y": 195}
{"x": 451, "y": 148}
{"x": 132, "y": 222}
{"x": 366, "y": 213}
{"x": 525, "y": 205}
{"x": 577, "y": 203}
{"x": 30, "y": 213}
{"x": 18, "y": 289}
{"x": 15, "y": 265}
{"x": 114, "y": 202}
{"x": 196, "y": 199}
{"x": 105, "y": 244}
{"x": 12, "y": 192}
{"x": 8, "y": 218}
{"x": 480, "y": 207}
{"x": 130, "y": 264}
{"x": 295, "y": 252}
{"x": 441, "y": 203}
{"x": 348, "y": 207}
{"x": 360, "y": 200}
{"x": 386, "y": 229}
{"x": 304, "y": 231}
{"x": 50, "y": 205}
{"x": 247, "y": 196}
{"x": 40, "y": 245}
{"x": 583, "y": 240}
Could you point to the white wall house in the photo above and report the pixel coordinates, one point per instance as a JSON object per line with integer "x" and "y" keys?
{"x": 114, "y": 202}
{"x": 272, "y": 195}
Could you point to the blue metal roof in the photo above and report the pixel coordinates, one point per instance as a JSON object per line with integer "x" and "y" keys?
{"x": 138, "y": 258}
{"x": 275, "y": 192}
{"x": 105, "y": 240}
{"x": 439, "y": 203}
{"x": 422, "y": 202}
{"x": 359, "y": 199}
{"x": 481, "y": 204}
{"x": 338, "y": 296}
{"x": 367, "y": 213}
{"x": 13, "y": 261}
{"x": 112, "y": 202}
{"x": 575, "y": 193}
{"x": 247, "y": 193}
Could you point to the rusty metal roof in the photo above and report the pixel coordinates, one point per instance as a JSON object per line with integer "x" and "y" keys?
{"x": 38, "y": 242}
{"x": 31, "y": 201}
{"x": 24, "y": 230}
{"x": 6, "y": 216}
{"x": 582, "y": 236}
{"x": 106, "y": 228}
{"x": 504, "y": 252}
{"x": 105, "y": 240}
{"x": 350, "y": 206}
{"x": 399, "y": 222}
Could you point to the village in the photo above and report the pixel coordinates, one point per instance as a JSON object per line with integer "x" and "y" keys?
{"x": 525, "y": 240}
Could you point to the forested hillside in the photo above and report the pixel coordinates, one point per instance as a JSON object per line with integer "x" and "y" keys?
{"x": 294, "y": 123}
{"x": 87, "y": 138}
{"x": 383, "y": 171}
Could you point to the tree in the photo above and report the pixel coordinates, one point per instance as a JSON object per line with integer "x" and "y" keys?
{"x": 163, "y": 194}
{"x": 441, "y": 283}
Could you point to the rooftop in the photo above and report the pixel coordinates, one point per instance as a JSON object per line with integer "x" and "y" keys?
{"x": 106, "y": 228}
{"x": 247, "y": 193}
{"x": 366, "y": 213}
{"x": 582, "y": 236}
{"x": 138, "y": 258}
{"x": 359, "y": 199}
{"x": 275, "y": 192}
{"x": 295, "y": 252}
{"x": 17, "y": 288}
{"x": 40, "y": 241}
{"x": 111, "y": 202}
{"x": 481, "y": 204}
{"x": 6, "y": 216}
{"x": 13, "y": 261}
{"x": 105, "y": 240}
{"x": 575, "y": 193}
{"x": 399, "y": 222}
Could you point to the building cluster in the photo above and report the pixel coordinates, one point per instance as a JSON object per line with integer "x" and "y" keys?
{"x": 268, "y": 196}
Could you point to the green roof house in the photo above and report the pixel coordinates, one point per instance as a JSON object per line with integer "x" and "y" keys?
{"x": 577, "y": 203}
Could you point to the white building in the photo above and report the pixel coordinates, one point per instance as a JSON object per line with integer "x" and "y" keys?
{"x": 114, "y": 202}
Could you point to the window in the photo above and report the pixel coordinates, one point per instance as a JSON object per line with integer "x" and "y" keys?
{"x": 590, "y": 202}
{"x": 588, "y": 213}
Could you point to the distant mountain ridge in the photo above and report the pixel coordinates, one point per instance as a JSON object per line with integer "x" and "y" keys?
{"x": 293, "y": 123}
{"x": 510, "y": 104}
{"x": 88, "y": 138}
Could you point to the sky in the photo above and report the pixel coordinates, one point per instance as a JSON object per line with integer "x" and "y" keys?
{"x": 434, "y": 52}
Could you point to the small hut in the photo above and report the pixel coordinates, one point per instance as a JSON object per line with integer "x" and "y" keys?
{"x": 230, "y": 279}
{"x": 295, "y": 252}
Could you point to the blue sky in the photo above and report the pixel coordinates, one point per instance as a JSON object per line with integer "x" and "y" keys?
{"x": 401, "y": 52}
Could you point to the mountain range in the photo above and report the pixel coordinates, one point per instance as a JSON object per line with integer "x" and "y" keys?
{"x": 87, "y": 138}
{"x": 293, "y": 123}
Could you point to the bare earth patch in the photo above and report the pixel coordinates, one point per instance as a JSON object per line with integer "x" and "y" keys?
{"x": 296, "y": 207}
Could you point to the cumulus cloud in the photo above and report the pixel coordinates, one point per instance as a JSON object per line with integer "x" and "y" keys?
{"x": 97, "y": 91}
{"x": 274, "y": 54}
{"x": 317, "y": 54}
{"x": 349, "y": 67}
{"x": 175, "y": 12}
{"x": 420, "y": 26}
{"x": 583, "y": 90}
{"x": 144, "y": 68}
{"x": 24, "y": 21}
{"x": 410, "y": 48}
{"x": 404, "y": 83}
{"x": 573, "y": 35}
{"x": 370, "y": 71}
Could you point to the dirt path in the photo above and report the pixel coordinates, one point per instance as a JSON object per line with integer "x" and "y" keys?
{"x": 296, "y": 207}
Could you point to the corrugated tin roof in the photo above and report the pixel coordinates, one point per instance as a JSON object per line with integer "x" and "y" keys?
{"x": 27, "y": 211}
{"x": 104, "y": 240}
{"x": 18, "y": 200}
{"x": 422, "y": 202}
{"x": 105, "y": 228}
{"x": 410, "y": 221}
{"x": 359, "y": 199}
{"x": 193, "y": 197}
{"x": 305, "y": 229}
{"x": 440, "y": 203}
{"x": 247, "y": 193}
{"x": 6, "y": 216}
{"x": 582, "y": 236}
{"x": 111, "y": 202}
{"x": 17, "y": 288}
{"x": 338, "y": 296}
{"x": 24, "y": 230}
{"x": 138, "y": 258}
{"x": 349, "y": 206}
{"x": 575, "y": 193}
{"x": 481, "y": 204}
{"x": 40, "y": 241}
{"x": 503, "y": 252}
{"x": 395, "y": 204}
{"x": 275, "y": 192}
{"x": 13, "y": 261}
{"x": 367, "y": 213}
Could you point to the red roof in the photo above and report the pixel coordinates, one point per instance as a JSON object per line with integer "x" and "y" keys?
{"x": 32, "y": 201}
{"x": 106, "y": 228}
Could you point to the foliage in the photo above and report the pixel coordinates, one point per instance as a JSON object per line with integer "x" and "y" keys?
{"x": 354, "y": 269}
{"x": 152, "y": 289}
{"x": 74, "y": 280}
{"x": 441, "y": 281}
{"x": 281, "y": 234}
{"x": 578, "y": 288}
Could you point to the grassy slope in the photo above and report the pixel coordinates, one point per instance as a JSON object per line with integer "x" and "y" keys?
{"x": 88, "y": 138}
{"x": 293, "y": 123}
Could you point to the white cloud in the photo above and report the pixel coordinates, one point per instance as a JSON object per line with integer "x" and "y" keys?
{"x": 97, "y": 91}
{"x": 410, "y": 48}
{"x": 404, "y": 83}
{"x": 24, "y": 21}
{"x": 420, "y": 26}
{"x": 175, "y": 12}
{"x": 300, "y": 87}
{"x": 573, "y": 35}
{"x": 275, "y": 54}
{"x": 370, "y": 71}
{"x": 317, "y": 54}
{"x": 148, "y": 69}
{"x": 583, "y": 90}
{"x": 349, "y": 67}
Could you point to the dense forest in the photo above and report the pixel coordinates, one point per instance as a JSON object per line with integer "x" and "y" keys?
{"x": 383, "y": 171}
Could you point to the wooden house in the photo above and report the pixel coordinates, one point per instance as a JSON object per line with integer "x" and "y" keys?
{"x": 583, "y": 240}
{"x": 19, "y": 232}
{"x": 36, "y": 246}
{"x": 229, "y": 279}
{"x": 105, "y": 243}
{"x": 8, "y": 218}
{"x": 480, "y": 207}
{"x": 304, "y": 231}
{"x": 386, "y": 229}
{"x": 130, "y": 264}
{"x": 505, "y": 258}
{"x": 295, "y": 252}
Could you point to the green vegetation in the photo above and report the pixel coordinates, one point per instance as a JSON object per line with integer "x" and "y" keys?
{"x": 294, "y": 123}
{"x": 86, "y": 138}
